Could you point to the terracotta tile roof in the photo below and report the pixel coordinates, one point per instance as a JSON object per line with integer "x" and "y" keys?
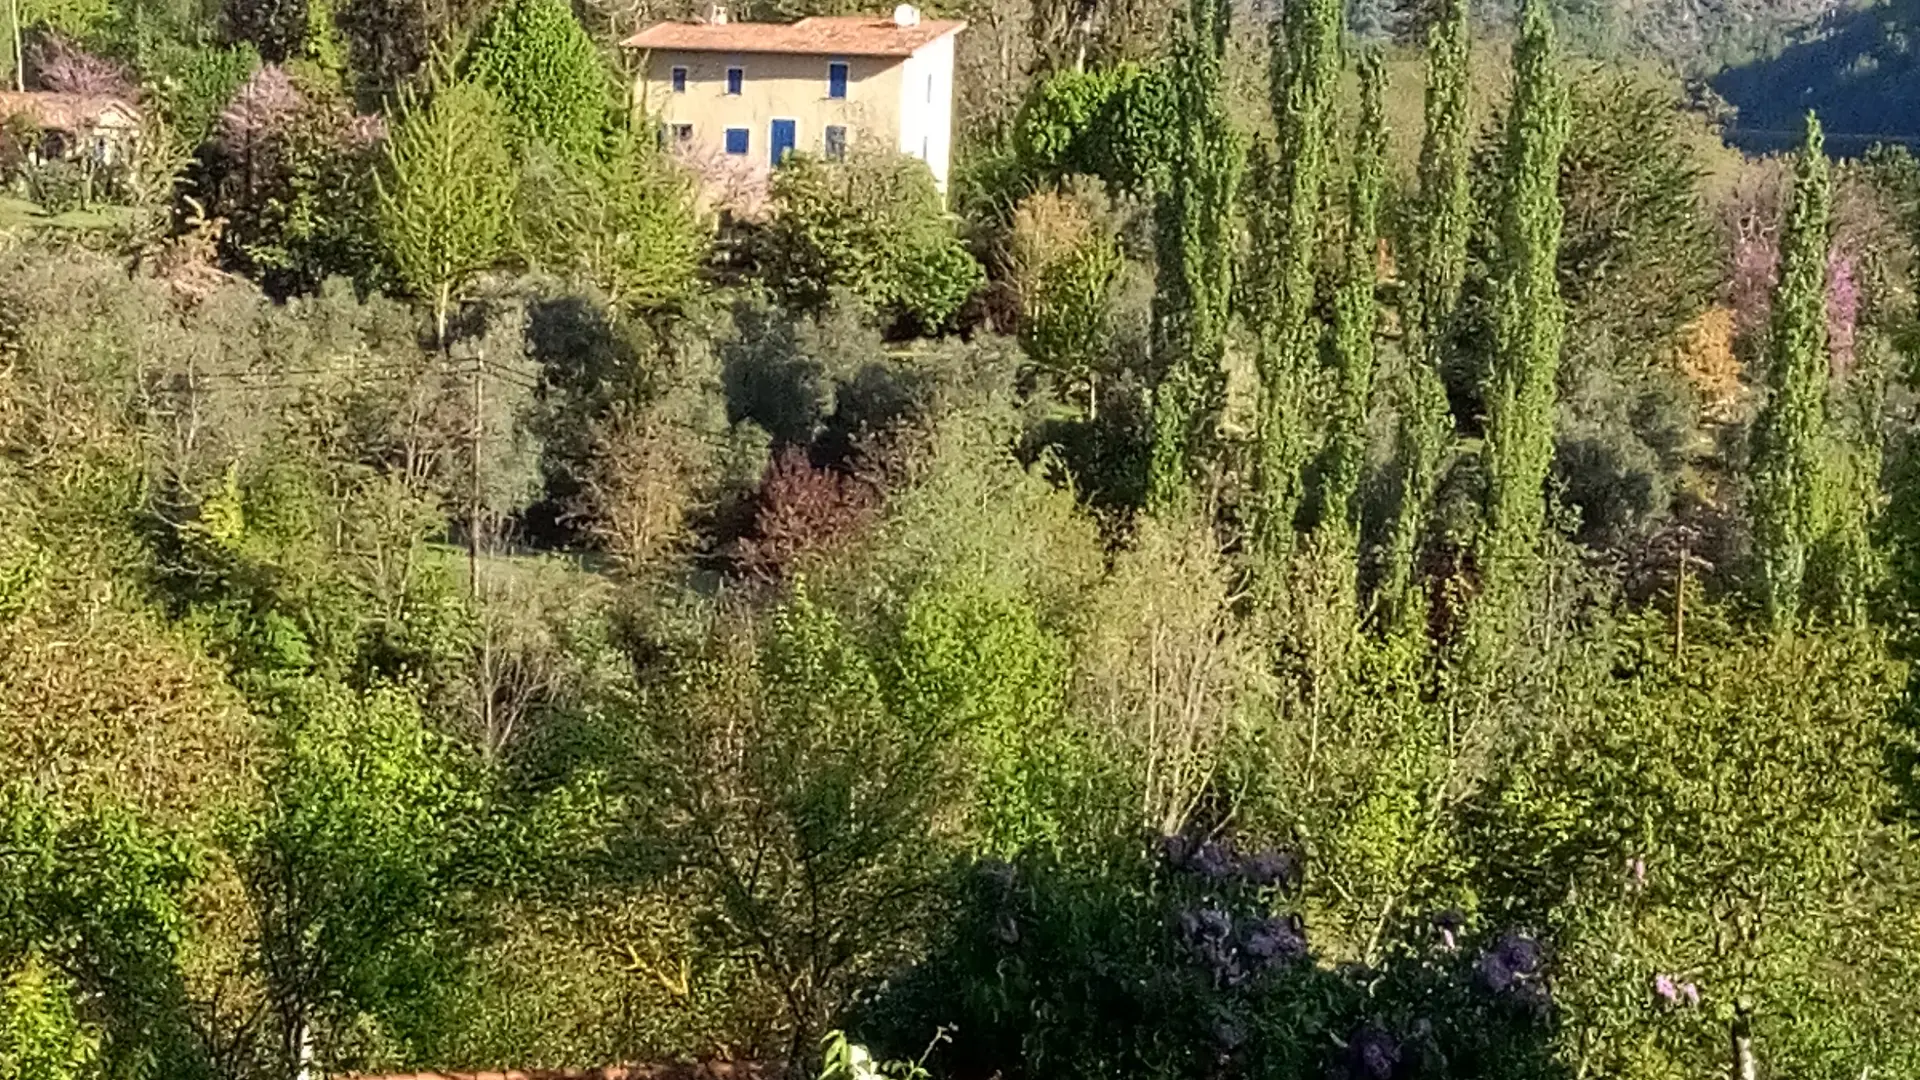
{"x": 843, "y": 35}
{"x": 66, "y": 112}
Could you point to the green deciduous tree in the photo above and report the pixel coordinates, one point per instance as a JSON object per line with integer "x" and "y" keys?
{"x": 544, "y": 69}
{"x": 1193, "y": 220}
{"x": 1788, "y": 485}
{"x": 874, "y": 225}
{"x": 1115, "y": 122}
{"x": 1438, "y": 247}
{"x": 1305, "y": 76}
{"x": 1529, "y": 316}
{"x": 348, "y": 867}
{"x": 625, "y": 222}
{"x": 446, "y": 194}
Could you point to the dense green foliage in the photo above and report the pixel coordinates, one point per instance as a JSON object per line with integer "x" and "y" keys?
{"x": 1437, "y": 248}
{"x": 1356, "y": 310}
{"x": 446, "y": 194}
{"x": 1116, "y": 123}
{"x": 547, "y": 74}
{"x": 1528, "y": 315}
{"x": 874, "y": 226}
{"x": 1788, "y": 485}
{"x": 486, "y": 584}
{"x": 1194, "y": 272}
{"x": 1306, "y": 66}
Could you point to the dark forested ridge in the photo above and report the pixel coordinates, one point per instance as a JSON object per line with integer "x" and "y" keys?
{"x": 1353, "y": 541}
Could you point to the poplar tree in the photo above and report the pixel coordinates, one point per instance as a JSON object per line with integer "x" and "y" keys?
{"x": 1356, "y": 314}
{"x": 1193, "y": 216}
{"x": 1438, "y": 271}
{"x": 1787, "y": 478}
{"x": 1528, "y": 315}
{"x": 1306, "y": 72}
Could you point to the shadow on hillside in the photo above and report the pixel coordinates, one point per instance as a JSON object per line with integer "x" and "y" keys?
{"x": 1861, "y": 75}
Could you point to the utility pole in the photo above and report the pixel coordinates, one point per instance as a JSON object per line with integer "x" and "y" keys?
{"x": 1680, "y": 600}
{"x": 477, "y": 433}
{"x": 19, "y": 56}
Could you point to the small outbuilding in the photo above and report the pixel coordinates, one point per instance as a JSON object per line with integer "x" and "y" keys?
{"x": 67, "y": 127}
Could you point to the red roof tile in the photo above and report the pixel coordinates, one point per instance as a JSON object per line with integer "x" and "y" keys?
{"x": 844, "y": 35}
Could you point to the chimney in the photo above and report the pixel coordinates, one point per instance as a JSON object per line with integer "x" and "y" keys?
{"x": 716, "y": 12}
{"x": 906, "y": 15}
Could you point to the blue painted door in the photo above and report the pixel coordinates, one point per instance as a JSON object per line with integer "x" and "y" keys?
{"x": 783, "y": 139}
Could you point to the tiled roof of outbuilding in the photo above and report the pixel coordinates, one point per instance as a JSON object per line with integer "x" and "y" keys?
{"x": 68, "y": 112}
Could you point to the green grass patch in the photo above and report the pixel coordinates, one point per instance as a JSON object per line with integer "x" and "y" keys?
{"x": 21, "y": 215}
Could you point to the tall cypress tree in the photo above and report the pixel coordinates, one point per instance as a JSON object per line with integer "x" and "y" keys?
{"x": 1356, "y": 313}
{"x": 1529, "y": 319}
{"x": 1193, "y": 218}
{"x": 1787, "y": 479}
{"x": 1438, "y": 271}
{"x": 1306, "y": 71}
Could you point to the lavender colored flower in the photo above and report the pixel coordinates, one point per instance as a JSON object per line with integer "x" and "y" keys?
{"x": 1269, "y": 868}
{"x": 64, "y": 68}
{"x": 1213, "y": 860}
{"x": 1272, "y": 940}
{"x": 1637, "y": 870}
{"x": 1494, "y": 973}
{"x": 1514, "y": 958}
{"x": 1521, "y": 954}
{"x": 1372, "y": 1054}
{"x": 1174, "y": 849}
{"x": 1691, "y": 993}
{"x": 1756, "y": 269}
{"x": 1664, "y": 989}
{"x": 1229, "y": 1034}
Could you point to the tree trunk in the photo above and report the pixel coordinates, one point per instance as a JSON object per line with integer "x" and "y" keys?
{"x": 1745, "y": 1067}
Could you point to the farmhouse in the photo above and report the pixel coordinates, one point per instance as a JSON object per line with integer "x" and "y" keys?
{"x": 739, "y": 96}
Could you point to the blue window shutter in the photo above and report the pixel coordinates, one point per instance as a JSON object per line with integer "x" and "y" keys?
{"x": 679, "y": 80}
{"x": 836, "y": 80}
{"x": 736, "y": 140}
{"x": 736, "y": 77}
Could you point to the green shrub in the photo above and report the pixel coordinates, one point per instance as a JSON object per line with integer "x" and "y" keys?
{"x": 58, "y": 186}
{"x": 874, "y": 225}
{"x": 1116, "y": 123}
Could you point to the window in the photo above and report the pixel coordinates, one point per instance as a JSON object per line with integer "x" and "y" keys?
{"x": 679, "y": 80}
{"x": 736, "y": 77}
{"x": 837, "y": 80}
{"x": 836, "y": 143}
{"x": 683, "y": 133}
{"x": 736, "y": 140}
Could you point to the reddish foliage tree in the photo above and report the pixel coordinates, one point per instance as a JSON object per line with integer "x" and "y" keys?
{"x": 804, "y": 512}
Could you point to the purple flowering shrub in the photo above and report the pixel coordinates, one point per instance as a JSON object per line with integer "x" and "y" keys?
{"x": 1189, "y": 959}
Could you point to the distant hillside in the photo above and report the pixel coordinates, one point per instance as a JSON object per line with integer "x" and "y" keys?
{"x": 1859, "y": 74}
